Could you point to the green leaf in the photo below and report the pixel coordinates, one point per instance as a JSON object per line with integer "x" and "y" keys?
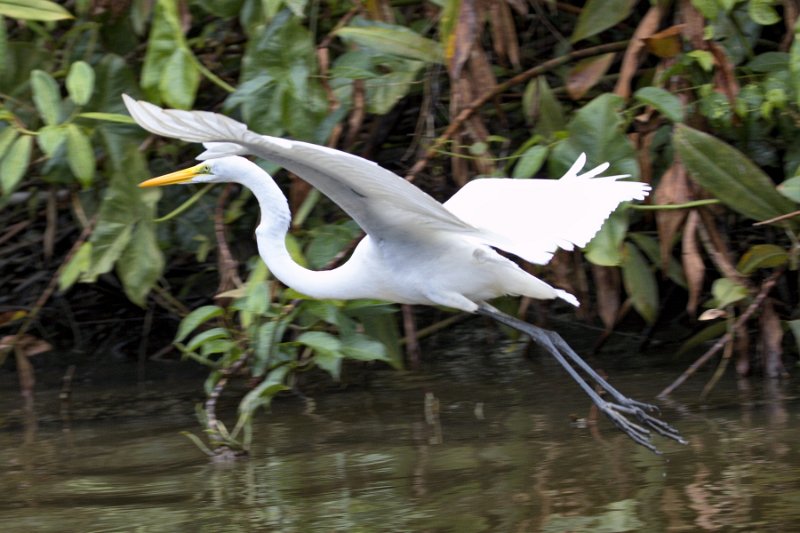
{"x": 640, "y": 283}
{"x": 80, "y": 82}
{"x": 7, "y": 138}
{"x": 193, "y": 320}
{"x": 650, "y": 247}
{"x": 320, "y": 341}
{"x": 80, "y": 155}
{"x": 75, "y": 267}
{"x": 46, "y": 96}
{"x": 109, "y": 240}
{"x": 166, "y": 38}
{"x": 708, "y": 8}
{"x": 141, "y": 264}
{"x": 664, "y": 101}
{"x": 729, "y": 175}
{"x": 704, "y": 58}
{"x": 262, "y": 394}
{"x": 762, "y": 256}
{"x": 179, "y": 80}
{"x": 762, "y": 12}
{"x": 605, "y": 248}
{"x": 530, "y": 162}
{"x": 266, "y": 341}
{"x": 599, "y": 15}
{"x": 327, "y": 350}
{"x": 791, "y": 189}
{"x": 50, "y": 139}
{"x": 362, "y": 348}
{"x": 597, "y": 129}
{"x": 541, "y": 104}
{"x": 15, "y": 163}
{"x": 727, "y": 292}
{"x": 394, "y": 40}
{"x": 108, "y": 117}
{"x": 206, "y": 336}
{"x": 279, "y": 90}
{"x": 33, "y": 10}
{"x": 769, "y": 62}
{"x": 714, "y": 331}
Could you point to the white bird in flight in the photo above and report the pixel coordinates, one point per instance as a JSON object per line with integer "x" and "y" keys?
{"x": 417, "y": 250}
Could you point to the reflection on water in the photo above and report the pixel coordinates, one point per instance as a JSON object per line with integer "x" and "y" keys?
{"x": 489, "y": 447}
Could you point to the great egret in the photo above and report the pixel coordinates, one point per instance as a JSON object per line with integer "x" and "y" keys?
{"x": 417, "y": 250}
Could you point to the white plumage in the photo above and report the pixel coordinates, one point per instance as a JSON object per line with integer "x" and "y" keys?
{"x": 417, "y": 250}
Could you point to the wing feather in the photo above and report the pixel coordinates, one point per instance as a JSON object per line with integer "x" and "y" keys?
{"x": 380, "y": 201}
{"x": 532, "y": 218}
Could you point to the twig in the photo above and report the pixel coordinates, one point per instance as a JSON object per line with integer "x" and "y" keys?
{"x": 722, "y": 341}
{"x": 212, "y": 424}
{"x": 476, "y": 103}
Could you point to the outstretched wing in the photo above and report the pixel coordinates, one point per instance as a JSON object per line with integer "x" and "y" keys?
{"x": 380, "y": 201}
{"x": 532, "y": 218}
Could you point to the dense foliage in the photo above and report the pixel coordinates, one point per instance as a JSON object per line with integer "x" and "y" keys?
{"x": 699, "y": 98}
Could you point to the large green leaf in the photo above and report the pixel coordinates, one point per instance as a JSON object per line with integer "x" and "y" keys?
{"x": 79, "y": 263}
{"x": 599, "y": 15}
{"x": 7, "y": 138}
{"x": 168, "y": 71}
{"x": 327, "y": 351}
{"x": 33, "y": 10}
{"x": 50, "y": 138}
{"x": 790, "y": 188}
{"x": 541, "y": 105}
{"x": 180, "y": 79}
{"x": 262, "y": 394}
{"x": 605, "y": 248}
{"x": 729, "y": 175}
{"x": 762, "y": 256}
{"x": 362, "y": 348}
{"x": 597, "y": 130}
{"x": 80, "y": 82}
{"x": 664, "y": 101}
{"x": 123, "y": 207}
{"x": 15, "y": 163}
{"x": 640, "y": 283}
{"x": 80, "y": 155}
{"x": 726, "y": 292}
{"x": 393, "y": 40}
{"x": 530, "y": 162}
{"x": 141, "y": 263}
{"x": 46, "y": 96}
{"x": 193, "y": 320}
{"x": 279, "y": 90}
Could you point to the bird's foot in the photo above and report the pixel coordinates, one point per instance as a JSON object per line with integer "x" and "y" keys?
{"x": 639, "y": 432}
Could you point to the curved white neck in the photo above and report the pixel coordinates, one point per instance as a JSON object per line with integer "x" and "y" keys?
{"x": 338, "y": 283}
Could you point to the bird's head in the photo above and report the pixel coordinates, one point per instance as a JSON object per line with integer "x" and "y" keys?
{"x": 219, "y": 170}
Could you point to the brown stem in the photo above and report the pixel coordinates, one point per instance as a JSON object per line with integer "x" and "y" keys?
{"x": 228, "y": 266}
{"x": 212, "y": 422}
{"x": 722, "y": 341}
{"x": 476, "y": 103}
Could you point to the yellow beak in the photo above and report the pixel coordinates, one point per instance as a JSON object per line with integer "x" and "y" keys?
{"x": 181, "y": 176}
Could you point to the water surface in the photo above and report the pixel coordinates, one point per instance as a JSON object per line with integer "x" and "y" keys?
{"x": 488, "y": 446}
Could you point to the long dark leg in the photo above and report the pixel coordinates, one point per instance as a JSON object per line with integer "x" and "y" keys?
{"x": 617, "y": 410}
